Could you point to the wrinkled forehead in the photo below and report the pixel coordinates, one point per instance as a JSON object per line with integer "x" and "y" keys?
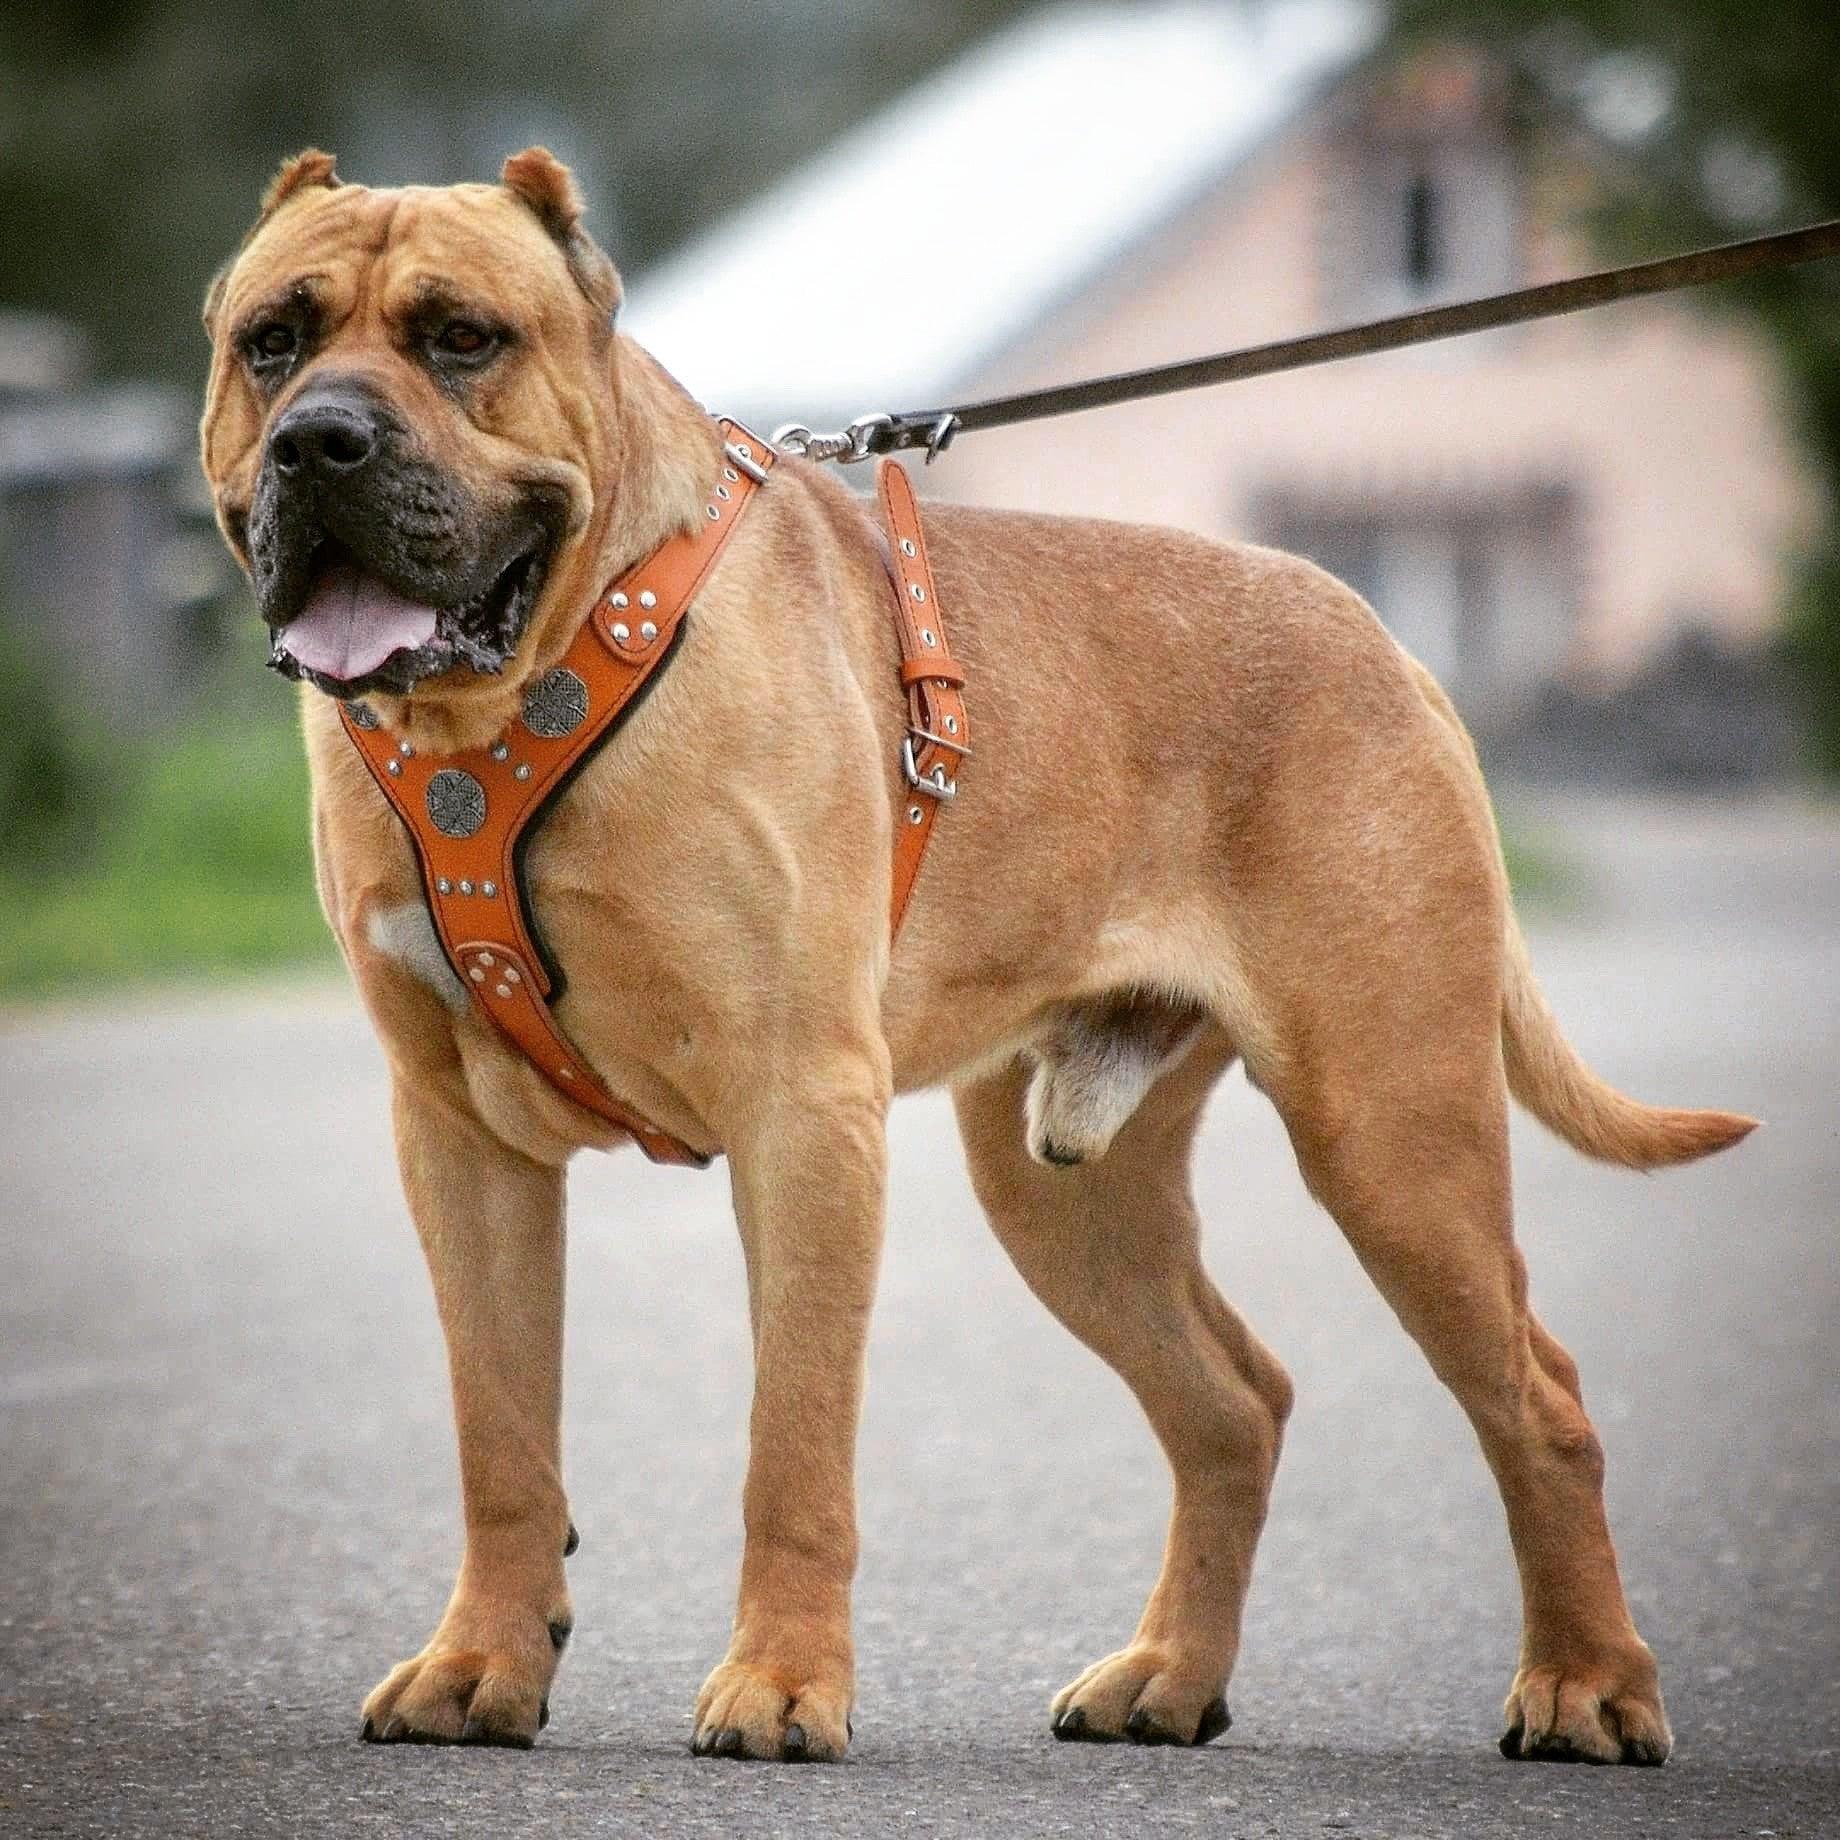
{"x": 353, "y": 247}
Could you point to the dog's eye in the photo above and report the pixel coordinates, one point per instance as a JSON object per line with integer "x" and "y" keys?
{"x": 275, "y": 340}
{"x": 460, "y": 338}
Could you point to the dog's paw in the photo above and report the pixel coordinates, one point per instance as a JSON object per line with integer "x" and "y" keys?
{"x": 484, "y": 1678}
{"x": 1587, "y": 1714}
{"x": 749, "y": 1709}
{"x": 1141, "y": 1695}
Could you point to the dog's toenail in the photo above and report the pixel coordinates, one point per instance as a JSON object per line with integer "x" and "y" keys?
{"x": 1215, "y": 1718}
{"x": 542, "y": 1715}
{"x": 794, "y": 1749}
{"x": 573, "y": 1541}
{"x": 1071, "y": 1724}
{"x": 369, "y": 1733}
{"x": 702, "y": 1743}
{"x": 730, "y": 1743}
{"x": 394, "y": 1729}
{"x": 559, "y": 1633}
{"x": 1511, "y": 1742}
{"x": 849, "y": 1728}
{"x": 1060, "y": 1158}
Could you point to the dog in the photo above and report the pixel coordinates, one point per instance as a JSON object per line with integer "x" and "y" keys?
{"x": 1215, "y": 813}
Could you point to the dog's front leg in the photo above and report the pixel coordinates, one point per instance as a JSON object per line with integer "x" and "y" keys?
{"x": 491, "y": 1225}
{"x": 808, "y": 1172}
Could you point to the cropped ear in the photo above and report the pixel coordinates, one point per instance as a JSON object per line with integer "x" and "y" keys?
{"x": 539, "y": 180}
{"x": 305, "y": 169}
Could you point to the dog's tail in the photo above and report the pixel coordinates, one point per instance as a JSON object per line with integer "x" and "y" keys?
{"x": 1547, "y": 1074}
{"x": 1549, "y": 1077}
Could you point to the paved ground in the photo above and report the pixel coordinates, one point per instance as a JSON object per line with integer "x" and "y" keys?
{"x": 227, "y": 1498}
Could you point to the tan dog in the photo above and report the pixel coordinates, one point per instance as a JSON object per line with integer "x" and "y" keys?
{"x": 1215, "y": 812}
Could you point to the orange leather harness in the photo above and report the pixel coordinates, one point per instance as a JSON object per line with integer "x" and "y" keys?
{"x": 471, "y": 814}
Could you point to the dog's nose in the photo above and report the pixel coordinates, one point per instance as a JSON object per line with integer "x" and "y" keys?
{"x": 328, "y": 437}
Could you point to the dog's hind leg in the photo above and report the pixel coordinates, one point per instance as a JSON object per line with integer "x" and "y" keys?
{"x": 1113, "y": 1249}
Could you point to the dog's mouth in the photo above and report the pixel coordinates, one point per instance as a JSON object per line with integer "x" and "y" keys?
{"x": 355, "y": 632}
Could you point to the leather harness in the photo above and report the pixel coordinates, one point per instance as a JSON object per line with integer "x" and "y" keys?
{"x": 471, "y": 814}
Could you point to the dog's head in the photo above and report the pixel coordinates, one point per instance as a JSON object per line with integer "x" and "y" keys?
{"x": 410, "y": 432}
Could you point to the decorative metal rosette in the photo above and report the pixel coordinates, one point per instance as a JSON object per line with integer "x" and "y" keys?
{"x": 556, "y": 704}
{"x": 362, "y": 714}
{"x": 456, "y": 803}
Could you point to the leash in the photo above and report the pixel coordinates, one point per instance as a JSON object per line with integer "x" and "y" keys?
{"x": 935, "y": 429}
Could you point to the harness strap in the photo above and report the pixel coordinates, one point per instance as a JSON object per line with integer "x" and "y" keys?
{"x": 470, "y": 814}
{"x": 938, "y": 736}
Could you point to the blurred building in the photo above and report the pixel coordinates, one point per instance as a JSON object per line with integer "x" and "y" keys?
{"x": 106, "y": 558}
{"x": 1575, "y": 524}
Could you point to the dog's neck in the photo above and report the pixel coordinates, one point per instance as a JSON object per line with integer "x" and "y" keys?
{"x": 662, "y": 451}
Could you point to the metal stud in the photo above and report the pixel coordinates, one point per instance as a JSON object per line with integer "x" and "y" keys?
{"x": 521, "y": 770}
{"x": 907, "y": 547}
{"x": 500, "y": 751}
{"x": 443, "y": 885}
{"x": 918, "y": 592}
{"x": 567, "y": 1072}
{"x": 488, "y": 889}
{"x": 619, "y": 599}
{"x": 556, "y": 704}
{"x": 622, "y": 632}
{"x": 648, "y": 632}
{"x": 405, "y": 750}
{"x": 466, "y": 887}
{"x": 504, "y": 990}
{"x": 511, "y": 975}
{"x": 647, "y": 598}
{"x": 478, "y": 976}
{"x": 456, "y": 802}
{"x": 362, "y": 715}
{"x": 926, "y": 636}
{"x": 393, "y": 768}
{"x": 486, "y": 958}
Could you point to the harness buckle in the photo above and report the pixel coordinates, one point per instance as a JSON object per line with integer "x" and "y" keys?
{"x": 935, "y": 784}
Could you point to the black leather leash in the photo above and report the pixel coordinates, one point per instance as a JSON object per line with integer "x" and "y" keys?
{"x": 935, "y": 429}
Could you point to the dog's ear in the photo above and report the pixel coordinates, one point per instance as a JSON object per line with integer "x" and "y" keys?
{"x": 539, "y": 180}
{"x": 305, "y": 169}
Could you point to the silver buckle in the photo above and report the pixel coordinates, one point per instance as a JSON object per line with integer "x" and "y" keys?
{"x": 935, "y": 784}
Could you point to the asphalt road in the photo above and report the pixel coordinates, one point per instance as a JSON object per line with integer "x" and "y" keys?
{"x": 228, "y": 1501}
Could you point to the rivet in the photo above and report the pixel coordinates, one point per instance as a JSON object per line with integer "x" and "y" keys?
{"x": 500, "y": 751}
{"x": 951, "y": 729}
{"x": 478, "y": 976}
{"x": 713, "y": 512}
{"x": 926, "y": 636}
{"x": 405, "y": 750}
{"x": 648, "y": 632}
{"x": 622, "y": 631}
{"x": 567, "y": 1072}
{"x": 443, "y": 885}
{"x": 721, "y": 491}
{"x": 488, "y": 889}
{"x": 503, "y": 990}
{"x": 486, "y": 958}
{"x": 394, "y": 768}
{"x": 466, "y": 887}
{"x": 907, "y": 547}
{"x": 918, "y": 592}
{"x": 511, "y": 975}
{"x": 521, "y": 770}
{"x": 647, "y": 598}
{"x": 914, "y": 814}
{"x": 619, "y": 599}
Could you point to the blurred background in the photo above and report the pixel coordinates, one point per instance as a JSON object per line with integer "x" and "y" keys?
{"x": 1614, "y": 537}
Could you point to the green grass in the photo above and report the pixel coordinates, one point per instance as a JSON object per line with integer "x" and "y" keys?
{"x": 201, "y": 864}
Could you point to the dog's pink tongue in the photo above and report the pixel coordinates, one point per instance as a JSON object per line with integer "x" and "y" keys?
{"x": 352, "y": 622}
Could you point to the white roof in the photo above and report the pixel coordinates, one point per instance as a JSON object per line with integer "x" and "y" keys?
{"x": 922, "y": 242}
